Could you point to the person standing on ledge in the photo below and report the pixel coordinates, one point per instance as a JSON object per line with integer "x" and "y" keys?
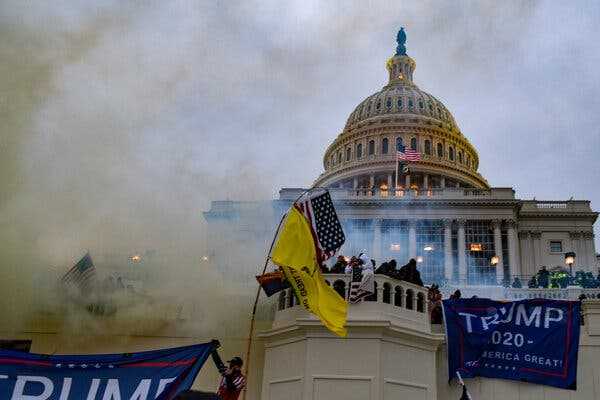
{"x": 233, "y": 380}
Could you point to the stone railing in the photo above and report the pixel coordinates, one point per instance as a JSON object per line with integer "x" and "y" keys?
{"x": 399, "y": 294}
{"x": 569, "y": 293}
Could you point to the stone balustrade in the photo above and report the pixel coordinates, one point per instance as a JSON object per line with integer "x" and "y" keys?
{"x": 399, "y": 296}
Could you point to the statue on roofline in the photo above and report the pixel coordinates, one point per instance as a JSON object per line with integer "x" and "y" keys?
{"x": 401, "y": 40}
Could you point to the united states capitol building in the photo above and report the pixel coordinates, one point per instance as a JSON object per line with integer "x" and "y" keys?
{"x": 442, "y": 213}
{"x": 463, "y": 232}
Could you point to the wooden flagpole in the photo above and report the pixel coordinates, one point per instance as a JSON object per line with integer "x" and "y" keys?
{"x": 253, "y": 318}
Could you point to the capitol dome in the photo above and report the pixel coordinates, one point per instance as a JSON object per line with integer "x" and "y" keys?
{"x": 401, "y": 115}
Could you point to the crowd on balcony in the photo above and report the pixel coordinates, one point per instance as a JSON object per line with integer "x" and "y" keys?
{"x": 345, "y": 265}
{"x": 558, "y": 278}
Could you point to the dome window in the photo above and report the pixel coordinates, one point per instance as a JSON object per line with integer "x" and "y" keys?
{"x": 451, "y": 153}
{"x": 359, "y": 150}
{"x": 468, "y": 161}
{"x": 421, "y": 105}
{"x": 348, "y": 154}
{"x": 378, "y": 105}
{"x": 371, "y": 147}
{"x": 410, "y": 104}
{"x": 399, "y": 143}
{"x": 339, "y": 157}
{"x": 384, "y": 146}
{"x": 388, "y": 103}
{"x": 332, "y": 161}
{"x": 369, "y": 109}
{"x": 400, "y": 104}
{"x": 440, "y": 150}
{"x": 413, "y": 143}
{"x": 460, "y": 158}
{"x": 428, "y": 147}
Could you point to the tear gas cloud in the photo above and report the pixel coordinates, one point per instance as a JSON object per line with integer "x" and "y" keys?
{"x": 122, "y": 120}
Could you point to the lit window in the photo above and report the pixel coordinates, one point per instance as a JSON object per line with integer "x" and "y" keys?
{"x": 384, "y": 146}
{"x": 556, "y": 246}
{"x": 371, "y": 147}
{"x": 476, "y": 247}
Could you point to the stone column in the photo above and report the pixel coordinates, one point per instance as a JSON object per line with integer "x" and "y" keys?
{"x": 575, "y": 239}
{"x": 412, "y": 239}
{"x": 513, "y": 248}
{"x": 526, "y": 253}
{"x": 390, "y": 182}
{"x": 407, "y": 182}
{"x": 590, "y": 251}
{"x": 448, "y": 249}
{"x": 371, "y": 181}
{"x": 355, "y": 182}
{"x": 425, "y": 182}
{"x": 443, "y": 182}
{"x": 496, "y": 224}
{"x": 462, "y": 258}
{"x": 537, "y": 250}
{"x": 376, "y": 251}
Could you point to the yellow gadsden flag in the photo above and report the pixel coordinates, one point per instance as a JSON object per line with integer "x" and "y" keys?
{"x": 295, "y": 253}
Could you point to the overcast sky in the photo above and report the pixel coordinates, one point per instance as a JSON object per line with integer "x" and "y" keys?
{"x": 122, "y": 120}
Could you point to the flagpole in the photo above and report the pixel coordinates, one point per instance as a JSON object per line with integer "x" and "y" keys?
{"x": 396, "y": 187}
{"x": 253, "y": 318}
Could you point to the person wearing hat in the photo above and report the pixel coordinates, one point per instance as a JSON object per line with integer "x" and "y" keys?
{"x": 233, "y": 380}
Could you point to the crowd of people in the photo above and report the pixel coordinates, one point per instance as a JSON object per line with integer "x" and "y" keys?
{"x": 558, "y": 278}
{"x": 345, "y": 265}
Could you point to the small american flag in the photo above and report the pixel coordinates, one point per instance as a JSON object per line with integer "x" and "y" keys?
{"x": 325, "y": 225}
{"x": 404, "y": 154}
{"x": 82, "y": 274}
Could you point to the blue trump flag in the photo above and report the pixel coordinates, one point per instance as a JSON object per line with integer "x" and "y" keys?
{"x": 160, "y": 374}
{"x": 529, "y": 340}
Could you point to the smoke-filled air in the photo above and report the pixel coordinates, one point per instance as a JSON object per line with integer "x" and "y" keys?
{"x": 121, "y": 121}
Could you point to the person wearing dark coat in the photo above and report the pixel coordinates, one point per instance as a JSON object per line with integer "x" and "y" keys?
{"x": 339, "y": 266}
{"x": 543, "y": 277}
{"x": 383, "y": 269}
{"x": 410, "y": 273}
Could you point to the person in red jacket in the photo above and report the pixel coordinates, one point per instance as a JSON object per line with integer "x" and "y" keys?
{"x": 233, "y": 380}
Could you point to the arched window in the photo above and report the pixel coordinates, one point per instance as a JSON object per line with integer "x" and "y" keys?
{"x": 384, "y": 146}
{"x": 387, "y": 293}
{"x": 460, "y": 157}
{"x": 399, "y": 102}
{"x": 440, "y": 150}
{"x": 359, "y": 150}
{"x": 421, "y": 104}
{"x": 428, "y": 147}
{"x": 413, "y": 143}
{"x": 371, "y": 147}
{"x": 468, "y": 161}
{"x": 348, "y": 154}
{"x": 399, "y": 145}
{"x": 451, "y": 153}
{"x": 378, "y": 106}
{"x": 421, "y": 302}
{"x": 339, "y": 157}
{"x": 388, "y": 103}
{"x": 398, "y": 296}
{"x": 410, "y": 104}
{"x": 332, "y": 160}
{"x": 409, "y": 299}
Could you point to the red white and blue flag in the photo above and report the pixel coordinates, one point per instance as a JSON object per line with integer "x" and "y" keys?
{"x": 82, "y": 274}
{"x": 404, "y": 154}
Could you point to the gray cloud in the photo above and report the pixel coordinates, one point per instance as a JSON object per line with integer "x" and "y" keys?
{"x": 122, "y": 120}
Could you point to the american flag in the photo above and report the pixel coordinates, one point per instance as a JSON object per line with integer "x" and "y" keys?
{"x": 82, "y": 274}
{"x": 326, "y": 228}
{"x": 404, "y": 154}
